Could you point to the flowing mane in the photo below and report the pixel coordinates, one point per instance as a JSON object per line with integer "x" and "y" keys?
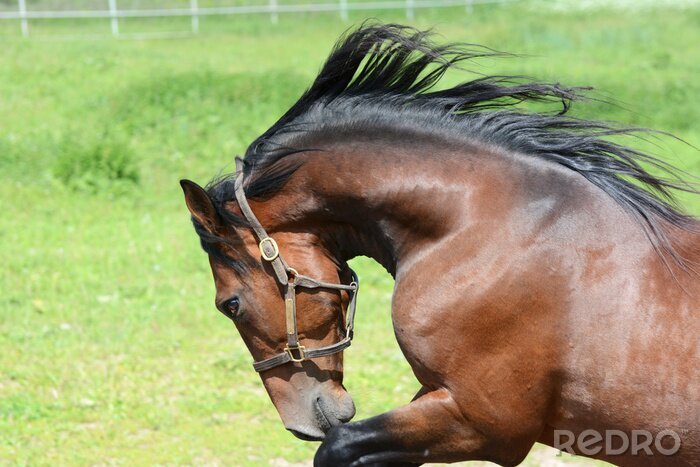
{"x": 384, "y": 77}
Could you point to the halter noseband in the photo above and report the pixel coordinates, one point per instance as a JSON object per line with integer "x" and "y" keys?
{"x": 290, "y": 279}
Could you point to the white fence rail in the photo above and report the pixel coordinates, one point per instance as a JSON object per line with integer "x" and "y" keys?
{"x": 272, "y": 8}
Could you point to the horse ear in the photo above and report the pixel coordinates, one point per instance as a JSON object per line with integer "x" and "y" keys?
{"x": 200, "y": 205}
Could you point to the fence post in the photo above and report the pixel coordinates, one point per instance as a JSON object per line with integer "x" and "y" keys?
{"x": 113, "y": 15}
{"x": 274, "y": 17}
{"x": 410, "y": 14}
{"x": 23, "y": 15}
{"x": 194, "y": 6}
{"x": 470, "y": 6}
{"x": 344, "y": 10}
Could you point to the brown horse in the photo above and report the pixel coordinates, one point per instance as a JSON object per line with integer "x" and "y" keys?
{"x": 544, "y": 284}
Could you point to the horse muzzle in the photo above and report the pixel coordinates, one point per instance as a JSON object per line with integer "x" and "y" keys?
{"x": 325, "y": 412}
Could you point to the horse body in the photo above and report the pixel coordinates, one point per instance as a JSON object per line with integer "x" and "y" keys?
{"x": 559, "y": 308}
{"x": 528, "y": 298}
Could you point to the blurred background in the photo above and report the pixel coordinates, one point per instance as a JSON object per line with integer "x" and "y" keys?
{"x": 111, "y": 351}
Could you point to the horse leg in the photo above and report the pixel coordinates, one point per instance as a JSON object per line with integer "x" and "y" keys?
{"x": 431, "y": 428}
{"x": 421, "y": 392}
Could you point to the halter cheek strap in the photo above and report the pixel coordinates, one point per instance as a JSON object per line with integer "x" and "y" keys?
{"x": 290, "y": 279}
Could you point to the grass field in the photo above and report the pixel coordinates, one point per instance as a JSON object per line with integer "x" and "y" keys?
{"x": 111, "y": 351}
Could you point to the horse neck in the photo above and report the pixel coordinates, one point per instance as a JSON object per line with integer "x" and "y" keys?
{"x": 387, "y": 204}
{"x": 391, "y": 202}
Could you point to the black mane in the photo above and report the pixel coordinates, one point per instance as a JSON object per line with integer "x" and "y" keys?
{"x": 386, "y": 74}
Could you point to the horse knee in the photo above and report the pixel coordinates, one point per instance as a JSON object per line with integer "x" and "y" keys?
{"x": 335, "y": 450}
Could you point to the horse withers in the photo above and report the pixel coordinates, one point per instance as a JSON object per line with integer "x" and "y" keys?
{"x": 545, "y": 284}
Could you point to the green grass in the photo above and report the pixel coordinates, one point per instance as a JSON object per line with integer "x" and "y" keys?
{"x": 111, "y": 351}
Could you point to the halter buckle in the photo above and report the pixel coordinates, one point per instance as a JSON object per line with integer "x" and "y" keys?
{"x": 298, "y": 348}
{"x": 273, "y": 244}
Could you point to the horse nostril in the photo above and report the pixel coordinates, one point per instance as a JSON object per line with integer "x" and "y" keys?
{"x": 325, "y": 420}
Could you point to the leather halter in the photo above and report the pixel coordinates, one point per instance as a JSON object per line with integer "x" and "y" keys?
{"x": 290, "y": 279}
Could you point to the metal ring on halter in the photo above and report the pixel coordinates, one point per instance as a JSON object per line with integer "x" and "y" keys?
{"x": 299, "y": 348}
{"x": 275, "y": 249}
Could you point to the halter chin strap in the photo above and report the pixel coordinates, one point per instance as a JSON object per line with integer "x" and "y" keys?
{"x": 290, "y": 279}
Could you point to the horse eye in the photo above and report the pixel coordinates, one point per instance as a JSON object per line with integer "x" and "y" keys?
{"x": 230, "y": 307}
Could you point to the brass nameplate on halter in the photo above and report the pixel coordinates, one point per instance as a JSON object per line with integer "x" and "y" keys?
{"x": 291, "y": 319}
